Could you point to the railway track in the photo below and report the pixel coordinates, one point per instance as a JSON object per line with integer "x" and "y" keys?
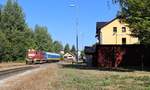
{"x": 10, "y": 72}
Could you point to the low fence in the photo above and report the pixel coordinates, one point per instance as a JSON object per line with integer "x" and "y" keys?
{"x": 122, "y": 55}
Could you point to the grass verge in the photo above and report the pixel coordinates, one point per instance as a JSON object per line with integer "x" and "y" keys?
{"x": 79, "y": 79}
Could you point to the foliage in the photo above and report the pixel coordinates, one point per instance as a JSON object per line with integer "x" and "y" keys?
{"x": 66, "y": 48}
{"x": 82, "y": 54}
{"x": 13, "y": 26}
{"x": 57, "y": 46}
{"x": 42, "y": 38}
{"x": 73, "y": 50}
{"x": 16, "y": 37}
{"x": 137, "y": 14}
{"x": 4, "y": 46}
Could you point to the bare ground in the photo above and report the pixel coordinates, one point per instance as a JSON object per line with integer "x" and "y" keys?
{"x": 39, "y": 79}
{"x": 57, "y": 77}
{"x": 10, "y": 65}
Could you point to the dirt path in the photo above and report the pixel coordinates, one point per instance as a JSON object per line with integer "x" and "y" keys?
{"x": 39, "y": 79}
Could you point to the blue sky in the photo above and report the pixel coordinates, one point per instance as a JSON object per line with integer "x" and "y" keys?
{"x": 60, "y": 18}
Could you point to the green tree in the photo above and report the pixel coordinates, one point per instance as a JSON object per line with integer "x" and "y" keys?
{"x": 57, "y": 46}
{"x": 16, "y": 37}
{"x": 43, "y": 39}
{"x": 66, "y": 48}
{"x": 24, "y": 41}
{"x": 0, "y": 15}
{"x": 13, "y": 17}
{"x": 73, "y": 50}
{"x": 30, "y": 40}
{"x": 4, "y": 47}
{"x": 137, "y": 14}
{"x": 16, "y": 31}
{"x": 82, "y": 54}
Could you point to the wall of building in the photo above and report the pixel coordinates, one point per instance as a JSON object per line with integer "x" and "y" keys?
{"x": 109, "y": 37}
{"x": 69, "y": 56}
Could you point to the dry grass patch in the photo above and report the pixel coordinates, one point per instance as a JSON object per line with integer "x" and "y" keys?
{"x": 37, "y": 80}
{"x": 80, "y": 79}
{"x": 10, "y": 65}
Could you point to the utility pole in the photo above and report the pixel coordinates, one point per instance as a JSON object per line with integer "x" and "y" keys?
{"x": 74, "y": 3}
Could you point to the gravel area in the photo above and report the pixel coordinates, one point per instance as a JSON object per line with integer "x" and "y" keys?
{"x": 4, "y": 66}
{"x": 37, "y": 79}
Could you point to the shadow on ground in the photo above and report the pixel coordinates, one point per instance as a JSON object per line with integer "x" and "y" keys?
{"x": 83, "y": 66}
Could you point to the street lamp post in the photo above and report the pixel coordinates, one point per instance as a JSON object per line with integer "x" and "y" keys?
{"x": 74, "y": 4}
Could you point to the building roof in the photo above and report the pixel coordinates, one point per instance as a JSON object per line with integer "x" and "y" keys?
{"x": 69, "y": 53}
{"x": 100, "y": 25}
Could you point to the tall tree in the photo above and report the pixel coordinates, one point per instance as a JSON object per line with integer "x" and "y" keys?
{"x": 73, "y": 50}
{"x": 30, "y": 41}
{"x": 137, "y": 14}
{"x": 16, "y": 37}
{"x": 66, "y": 48}
{"x": 4, "y": 47}
{"x": 57, "y": 46}
{"x": 14, "y": 27}
{"x": 43, "y": 39}
{"x": 4, "y": 43}
{"x": 82, "y": 54}
{"x": 0, "y": 16}
{"x": 13, "y": 17}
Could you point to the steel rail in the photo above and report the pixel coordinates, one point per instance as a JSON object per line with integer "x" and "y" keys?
{"x": 10, "y": 72}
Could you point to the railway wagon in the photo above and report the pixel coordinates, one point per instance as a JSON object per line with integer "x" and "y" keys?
{"x": 34, "y": 56}
{"x": 52, "y": 57}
